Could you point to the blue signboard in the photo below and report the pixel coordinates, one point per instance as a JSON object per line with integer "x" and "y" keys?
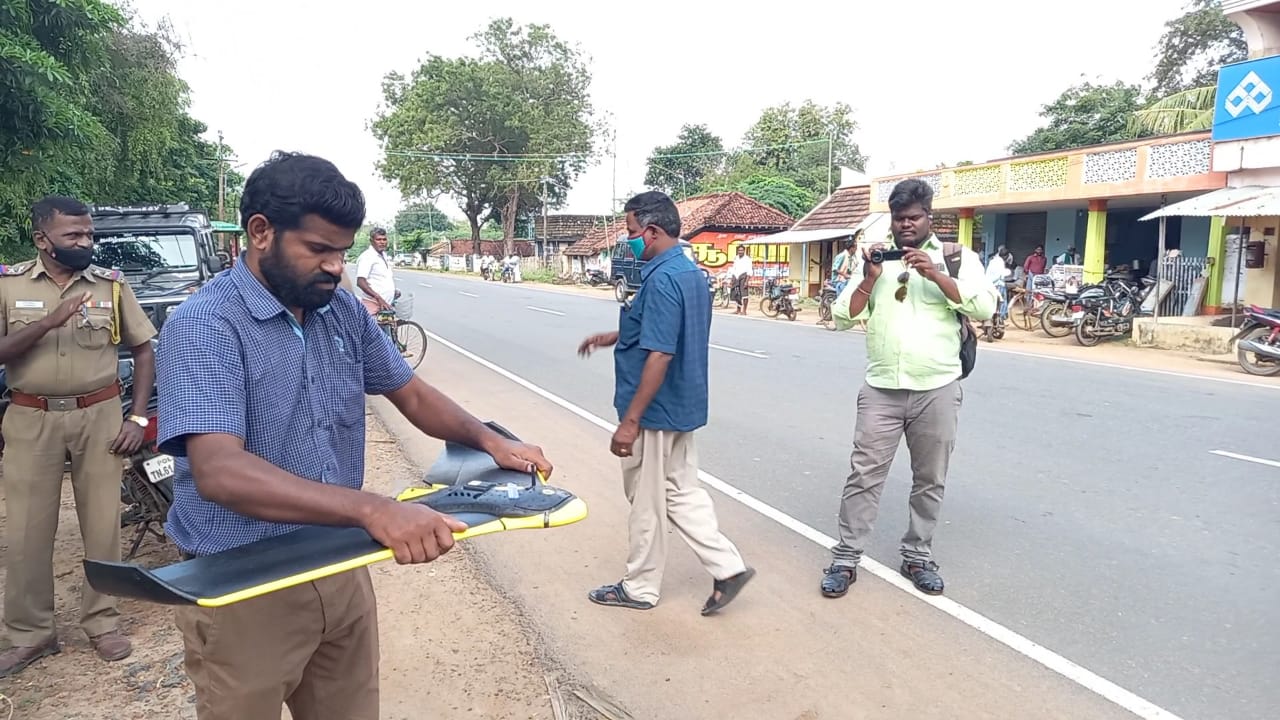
{"x": 1248, "y": 100}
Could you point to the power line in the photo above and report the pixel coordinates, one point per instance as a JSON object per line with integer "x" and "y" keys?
{"x": 549, "y": 157}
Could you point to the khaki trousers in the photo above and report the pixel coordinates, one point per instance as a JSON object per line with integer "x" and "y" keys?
{"x": 928, "y": 420}
{"x": 313, "y": 647}
{"x": 661, "y": 483}
{"x": 38, "y": 443}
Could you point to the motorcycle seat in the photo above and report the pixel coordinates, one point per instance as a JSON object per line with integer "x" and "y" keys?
{"x": 1268, "y": 312}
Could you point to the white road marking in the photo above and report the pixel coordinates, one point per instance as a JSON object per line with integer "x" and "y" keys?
{"x": 748, "y": 353}
{"x": 426, "y": 285}
{"x": 544, "y": 310}
{"x": 1087, "y": 679}
{"x": 463, "y": 292}
{"x": 1246, "y": 458}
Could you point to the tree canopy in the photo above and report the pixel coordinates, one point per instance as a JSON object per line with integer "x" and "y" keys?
{"x": 1085, "y": 114}
{"x": 91, "y": 105}
{"x": 489, "y": 129}
{"x": 1194, "y": 45}
{"x": 681, "y": 168}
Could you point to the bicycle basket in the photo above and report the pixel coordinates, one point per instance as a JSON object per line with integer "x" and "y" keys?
{"x": 404, "y": 306}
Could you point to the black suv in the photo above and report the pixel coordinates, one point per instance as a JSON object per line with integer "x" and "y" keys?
{"x": 624, "y": 269}
{"x": 166, "y": 252}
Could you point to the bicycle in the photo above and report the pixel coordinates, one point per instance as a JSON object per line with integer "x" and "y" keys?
{"x": 408, "y": 336}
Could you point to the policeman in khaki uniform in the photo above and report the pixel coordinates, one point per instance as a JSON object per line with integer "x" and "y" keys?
{"x": 61, "y": 321}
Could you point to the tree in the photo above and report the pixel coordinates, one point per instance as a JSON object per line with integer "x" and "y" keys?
{"x": 696, "y": 155}
{"x": 1193, "y": 47}
{"x": 1085, "y": 114}
{"x": 488, "y": 129}
{"x": 779, "y": 193}
{"x": 423, "y": 216}
{"x": 1185, "y": 111}
{"x": 792, "y": 143}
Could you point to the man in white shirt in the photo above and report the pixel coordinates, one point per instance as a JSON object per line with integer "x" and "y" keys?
{"x": 741, "y": 274}
{"x": 373, "y": 274}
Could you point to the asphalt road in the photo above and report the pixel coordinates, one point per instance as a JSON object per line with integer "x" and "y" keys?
{"x": 1085, "y": 509}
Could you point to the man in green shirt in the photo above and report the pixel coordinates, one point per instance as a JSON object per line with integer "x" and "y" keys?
{"x": 912, "y": 384}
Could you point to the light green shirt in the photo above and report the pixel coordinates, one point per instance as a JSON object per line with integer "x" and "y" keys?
{"x": 915, "y": 344}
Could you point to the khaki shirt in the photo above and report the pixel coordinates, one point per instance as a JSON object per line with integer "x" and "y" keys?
{"x": 79, "y": 357}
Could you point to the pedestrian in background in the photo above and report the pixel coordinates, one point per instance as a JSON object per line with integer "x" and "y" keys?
{"x": 741, "y": 271}
{"x": 660, "y": 394}
{"x": 912, "y": 385}
{"x": 62, "y": 322}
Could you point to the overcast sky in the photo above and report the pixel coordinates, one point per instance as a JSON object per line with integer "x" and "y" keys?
{"x": 930, "y": 81}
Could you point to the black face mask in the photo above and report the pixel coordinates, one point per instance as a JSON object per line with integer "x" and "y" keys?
{"x": 74, "y": 257}
{"x": 292, "y": 291}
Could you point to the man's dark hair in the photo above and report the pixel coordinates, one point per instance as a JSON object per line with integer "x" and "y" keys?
{"x": 657, "y": 209}
{"x": 908, "y": 193}
{"x": 290, "y": 186}
{"x": 849, "y": 242}
{"x": 44, "y": 209}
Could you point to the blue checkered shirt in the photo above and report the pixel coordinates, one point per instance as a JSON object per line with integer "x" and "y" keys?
{"x": 232, "y": 360}
{"x": 670, "y": 314}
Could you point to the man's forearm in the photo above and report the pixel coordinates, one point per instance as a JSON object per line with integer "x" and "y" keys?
{"x": 245, "y": 483}
{"x": 651, "y": 379}
{"x": 432, "y": 412}
{"x": 364, "y": 285}
{"x": 15, "y": 345}
{"x": 860, "y": 297}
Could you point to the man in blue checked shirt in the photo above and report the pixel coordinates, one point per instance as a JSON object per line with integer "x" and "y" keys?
{"x": 660, "y": 393}
{"x": 262, "y": 378}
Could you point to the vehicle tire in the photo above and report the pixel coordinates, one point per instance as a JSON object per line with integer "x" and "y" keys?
{"x": 1265, "y": 368}
{"x": 1049, "y": 310}
{"x": 620, "y": 292}
{"x": 766, "y": 310}
{"x": 791, "y": 314}
{"x": 1020, "y": 314}
{"x": 412, "y": 342}
{"x": 1084, "y": 333}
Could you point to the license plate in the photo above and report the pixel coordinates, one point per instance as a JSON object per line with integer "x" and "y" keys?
{"x": 1077, "y": 315}
{"x": 158, "y": 468}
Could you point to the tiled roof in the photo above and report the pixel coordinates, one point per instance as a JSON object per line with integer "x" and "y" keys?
{"x": 722, "y": 210}
{"x": 563, "y": 227}
{"x": 845, "y": 208}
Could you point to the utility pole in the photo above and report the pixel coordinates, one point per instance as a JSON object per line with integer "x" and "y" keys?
{"x": 830, "y": 164}
{"x": 222, "y": 181}
{"x": 614, "y": 193}
{"x": 545, "y": 238}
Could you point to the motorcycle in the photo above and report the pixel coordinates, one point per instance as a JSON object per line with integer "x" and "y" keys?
{"x": 826, "y": 301}
{"x": 1108, "y": 311}
{"x": 779, "y": 300}
{"x": 597, "y": 277}
{"x": 1259, "y": 336}
{"x": 508, "y": 274}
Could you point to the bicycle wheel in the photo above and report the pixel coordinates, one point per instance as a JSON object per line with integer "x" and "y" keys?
{"x": 411, "y": 341}
{"x": 1020, "y": 313}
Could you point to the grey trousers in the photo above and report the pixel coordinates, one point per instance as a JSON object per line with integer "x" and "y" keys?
{"x": 928, "y": 420}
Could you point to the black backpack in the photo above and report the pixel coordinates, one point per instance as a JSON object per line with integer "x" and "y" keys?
{"x": 953, "y": 252}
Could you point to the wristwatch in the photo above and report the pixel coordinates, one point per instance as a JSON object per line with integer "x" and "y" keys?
{"x": 141, "y": 421}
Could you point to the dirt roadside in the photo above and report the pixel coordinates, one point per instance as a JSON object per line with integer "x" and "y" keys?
{"x": 452, "y": 645}
{"x": 1016, "y": 341}
{"x": 781, "y": 651}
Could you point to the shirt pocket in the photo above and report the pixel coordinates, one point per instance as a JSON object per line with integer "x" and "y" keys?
{"x": 94, "y": 331}
{"x": 344, "y": 375}
{"x": 24, "y": 318}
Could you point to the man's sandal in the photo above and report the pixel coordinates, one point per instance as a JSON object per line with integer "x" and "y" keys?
{"x": 724, "y": 591}
{"x": 616, "y": 596}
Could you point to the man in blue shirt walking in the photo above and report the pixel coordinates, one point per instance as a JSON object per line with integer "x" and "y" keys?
{"x": 262, "y": 381}
{"x": 660, "y": 394}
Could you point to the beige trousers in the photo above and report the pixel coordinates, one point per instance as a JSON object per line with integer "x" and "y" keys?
{"x": 313, "y": 647}
{"x": 661, "y": 482}
{"x": 39, "y": 442}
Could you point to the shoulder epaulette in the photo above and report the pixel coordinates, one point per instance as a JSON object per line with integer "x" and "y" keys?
{"x": 107, "y": 274}
{"x": 20, "y": 269}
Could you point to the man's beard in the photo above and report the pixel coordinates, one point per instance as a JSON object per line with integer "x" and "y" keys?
{"x": 292, "y": 291}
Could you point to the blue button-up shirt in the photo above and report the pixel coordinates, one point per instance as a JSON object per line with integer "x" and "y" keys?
{"x": 233, "y": 360}
{"x": 671, "y": 314}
